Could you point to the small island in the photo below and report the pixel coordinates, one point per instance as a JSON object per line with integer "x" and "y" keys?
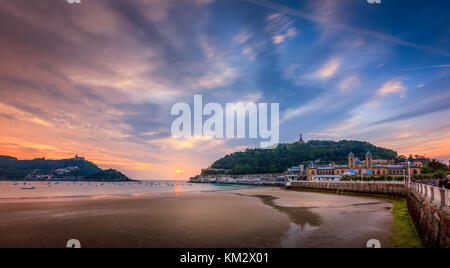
{"x": 41, "y": 169}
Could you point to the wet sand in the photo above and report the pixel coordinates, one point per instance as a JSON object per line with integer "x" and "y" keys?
{"x": 246, "y": 218}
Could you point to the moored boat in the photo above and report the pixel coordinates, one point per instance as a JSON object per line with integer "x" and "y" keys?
{"x": 28, "y": 188}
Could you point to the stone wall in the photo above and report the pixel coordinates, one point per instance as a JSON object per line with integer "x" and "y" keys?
{"x": 395, "y": 189}
{"x": 428, "y": 206}
{"x": 429, "y": 209}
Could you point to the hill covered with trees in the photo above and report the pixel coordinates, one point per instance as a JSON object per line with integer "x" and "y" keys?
{"x": 259, "y": 161}
{"x": 40, "y": 169}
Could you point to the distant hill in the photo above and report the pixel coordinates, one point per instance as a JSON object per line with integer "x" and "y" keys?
{"x": 75, "y": 169}
{"x": 259, "y": 161}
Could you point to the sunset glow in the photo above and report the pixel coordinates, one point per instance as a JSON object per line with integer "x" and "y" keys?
{"x": 93, "y": 80}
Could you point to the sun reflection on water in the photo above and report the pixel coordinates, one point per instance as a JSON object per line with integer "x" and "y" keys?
{"x": 177, "y": 188}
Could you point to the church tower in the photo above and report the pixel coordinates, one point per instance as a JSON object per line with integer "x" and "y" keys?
{"x": 369, "y": 161}
{"x": 351, "y": 161}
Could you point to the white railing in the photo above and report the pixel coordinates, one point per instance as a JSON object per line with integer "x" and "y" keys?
{"x": 434, "y": 195}
{"x": 376, "y": 182}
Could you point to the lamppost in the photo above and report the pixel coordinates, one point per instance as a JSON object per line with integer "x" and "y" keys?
{"x": 409, "y": 172}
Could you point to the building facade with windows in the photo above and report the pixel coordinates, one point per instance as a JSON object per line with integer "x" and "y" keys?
{"x": 356, "y": 167}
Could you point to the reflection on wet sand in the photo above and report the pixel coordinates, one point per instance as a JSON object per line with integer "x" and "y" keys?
{"x": 331, "y": 221}
{"x": 303, "y": 221}
{"x": 298, "y": 215}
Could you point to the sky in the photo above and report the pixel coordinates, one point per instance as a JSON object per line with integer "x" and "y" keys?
{"x": 98, "y": 79}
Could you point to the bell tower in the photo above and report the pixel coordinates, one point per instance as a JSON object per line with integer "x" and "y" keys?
{"x": 369, "y": 161}
{"x": 351, "y": 161}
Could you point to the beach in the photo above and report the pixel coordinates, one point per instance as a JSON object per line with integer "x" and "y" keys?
{"x": 227, "y": 218}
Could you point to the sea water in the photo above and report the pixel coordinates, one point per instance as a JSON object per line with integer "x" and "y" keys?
{"x": 19, "y": 190}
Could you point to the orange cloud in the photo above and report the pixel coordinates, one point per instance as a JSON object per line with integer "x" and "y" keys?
{"x": 393, "y": 87}
{"x": 329, "y": 69}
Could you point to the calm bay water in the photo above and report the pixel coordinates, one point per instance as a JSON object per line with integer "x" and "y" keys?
{"x": 13, "y": 191}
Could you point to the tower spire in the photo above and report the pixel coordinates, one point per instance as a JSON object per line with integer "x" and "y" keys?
{"x": 301, "y": 141}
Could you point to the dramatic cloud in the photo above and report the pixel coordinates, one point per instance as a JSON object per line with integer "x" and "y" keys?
{"x": 98, "y": 79}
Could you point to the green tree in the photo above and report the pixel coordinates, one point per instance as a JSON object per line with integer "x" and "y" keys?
{"x": 434, "y": 166}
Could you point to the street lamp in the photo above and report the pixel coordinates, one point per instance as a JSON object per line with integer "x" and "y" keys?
{"x": 409, "y": 172}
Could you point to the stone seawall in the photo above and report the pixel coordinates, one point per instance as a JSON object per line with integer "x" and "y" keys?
{"x": 429, "y": 209}
{"x": 395, "y": 189}
{"x": 428, "y": 206}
